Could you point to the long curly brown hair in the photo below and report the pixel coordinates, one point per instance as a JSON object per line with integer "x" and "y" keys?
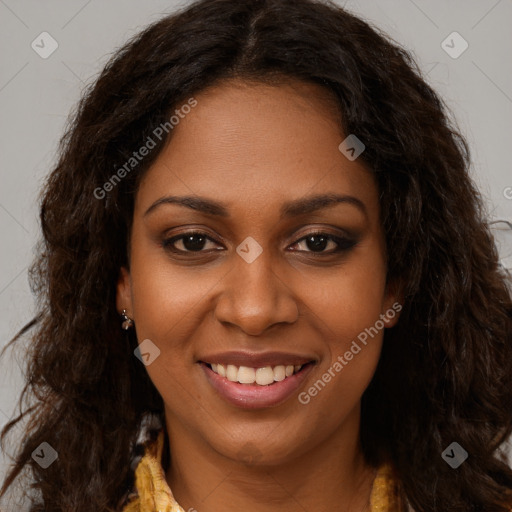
{"x": 445, "y": 372}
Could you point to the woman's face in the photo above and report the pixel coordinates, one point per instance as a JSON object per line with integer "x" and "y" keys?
{"x": 256, "y": 282}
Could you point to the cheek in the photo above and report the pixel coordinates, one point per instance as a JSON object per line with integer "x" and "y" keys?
{"x": 166, "y": 297}
{"x": 349, "y": 298}
{"x": 352, "y": 346}
{"x": 348, "y": 310}
{"x": 167, "y": 305}
{"x": 167, "y": 301}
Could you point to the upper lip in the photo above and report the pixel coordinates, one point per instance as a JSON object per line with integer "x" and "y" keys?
{"x": 256, "y": 359}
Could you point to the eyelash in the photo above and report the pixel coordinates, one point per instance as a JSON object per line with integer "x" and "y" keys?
{"x": 344, "y": 244}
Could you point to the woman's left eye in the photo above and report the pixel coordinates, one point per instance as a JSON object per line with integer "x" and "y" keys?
{"x": 316, "y": 242}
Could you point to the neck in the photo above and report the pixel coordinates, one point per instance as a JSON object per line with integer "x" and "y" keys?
{"x": 331, "y": 475}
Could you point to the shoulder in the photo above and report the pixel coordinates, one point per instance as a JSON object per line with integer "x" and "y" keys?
{"x": 144, "y": 444}
{"x": 387, "y": 492}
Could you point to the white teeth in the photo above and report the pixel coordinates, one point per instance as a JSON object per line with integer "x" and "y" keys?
{"x": 232, "y": 373}
{"x": 279, "y": 373}
{"x": 246, "y": 375}
{"x": 262, "y": 376}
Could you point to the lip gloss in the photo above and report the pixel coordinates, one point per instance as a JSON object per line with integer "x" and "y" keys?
{"x": 254, "y": 396}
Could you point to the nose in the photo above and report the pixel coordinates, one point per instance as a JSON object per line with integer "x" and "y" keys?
{"x": 254, "y": 297}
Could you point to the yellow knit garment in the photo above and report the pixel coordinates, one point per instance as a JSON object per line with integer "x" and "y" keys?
{"x": 154, "y": 494}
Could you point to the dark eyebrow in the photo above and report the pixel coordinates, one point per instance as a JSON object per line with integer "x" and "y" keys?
{"x": 313, "y": 203}
{"x": 293, "y": 208}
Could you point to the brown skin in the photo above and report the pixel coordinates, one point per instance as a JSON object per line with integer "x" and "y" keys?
{"x": 254, "y": 147}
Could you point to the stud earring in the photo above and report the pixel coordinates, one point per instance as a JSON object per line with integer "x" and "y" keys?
{"x": 127, "y": 321}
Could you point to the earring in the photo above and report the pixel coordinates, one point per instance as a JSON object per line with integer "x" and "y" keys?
{"x": 127, "y": 321}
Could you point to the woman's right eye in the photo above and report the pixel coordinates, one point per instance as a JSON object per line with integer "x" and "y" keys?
{"x": 193, "y": 241}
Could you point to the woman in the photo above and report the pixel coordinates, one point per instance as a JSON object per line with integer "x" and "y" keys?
{"x": 267, "y": 281}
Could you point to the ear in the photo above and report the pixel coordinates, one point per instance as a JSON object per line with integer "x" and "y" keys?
{"x": 124, "y": 291}
{"x": 392, "y": 303}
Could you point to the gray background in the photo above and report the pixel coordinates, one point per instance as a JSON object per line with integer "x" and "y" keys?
{"x": 37, "y": 94}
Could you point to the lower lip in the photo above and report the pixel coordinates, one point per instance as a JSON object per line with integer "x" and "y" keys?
{"x": 254, "y": 396}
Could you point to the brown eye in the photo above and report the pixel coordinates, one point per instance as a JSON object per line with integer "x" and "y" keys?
{"x": 193, "y": 241}
{"x": 317, "y": 242}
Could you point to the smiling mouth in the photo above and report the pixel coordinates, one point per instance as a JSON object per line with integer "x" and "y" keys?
{"x": 265, "y": 376}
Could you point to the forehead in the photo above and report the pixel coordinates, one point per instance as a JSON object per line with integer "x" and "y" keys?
{"x": 255, "y": 145}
